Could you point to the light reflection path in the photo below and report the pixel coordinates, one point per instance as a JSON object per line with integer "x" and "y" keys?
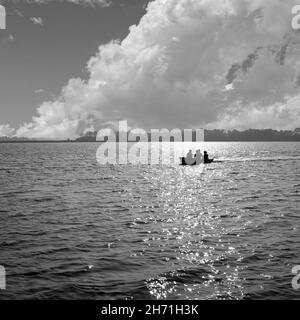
{"x": 194, "y": 231}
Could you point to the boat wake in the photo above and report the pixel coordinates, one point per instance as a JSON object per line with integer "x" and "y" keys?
{"x": 265, "y": 159}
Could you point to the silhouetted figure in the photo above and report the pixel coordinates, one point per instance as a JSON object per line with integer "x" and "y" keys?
{"x": 189, "y": 159}
{"x": 199, "y": 157}
{"x": 206, "y": 156}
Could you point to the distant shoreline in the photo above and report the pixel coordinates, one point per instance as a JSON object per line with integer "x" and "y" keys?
{"x": 74, "y": 141}
{"x": 217, "y": 135}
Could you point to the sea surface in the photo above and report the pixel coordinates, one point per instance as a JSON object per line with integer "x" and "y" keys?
{"x": 73, "y": 229}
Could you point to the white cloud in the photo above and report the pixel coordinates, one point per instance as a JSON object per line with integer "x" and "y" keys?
{"x": 38, "y": 21}
{"x": 187, "y": 63}
{"x": 278, "y": 116}
{"x": 39, "y": 91}
{"x": 6, "y": 131}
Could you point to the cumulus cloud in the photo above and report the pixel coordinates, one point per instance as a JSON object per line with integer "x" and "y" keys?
{"x": 227, "y": 63}
{"x": 6, "y": 131}
{"x": 280, "y": 116}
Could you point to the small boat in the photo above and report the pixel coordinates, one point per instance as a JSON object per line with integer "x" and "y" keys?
{"x": 183, "y": 162}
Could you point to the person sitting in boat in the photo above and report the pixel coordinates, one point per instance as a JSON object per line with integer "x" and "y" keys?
{"x": 189, "y": 159}
{"x": 206, "y": 156}
{"x": 199, "y": 157}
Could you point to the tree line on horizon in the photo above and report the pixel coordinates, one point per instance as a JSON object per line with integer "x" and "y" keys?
{"x": 226, "y": 135}
{"x": 209, "y": 136}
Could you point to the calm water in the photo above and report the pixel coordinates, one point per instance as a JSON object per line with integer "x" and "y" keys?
{"x": 72, "y": 229}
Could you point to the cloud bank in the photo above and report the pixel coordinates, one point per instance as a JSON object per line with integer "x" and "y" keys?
{"x": 6, "y": 131}
{"x": 213, "y": 63}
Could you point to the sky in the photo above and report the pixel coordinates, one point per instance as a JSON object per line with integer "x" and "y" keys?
{"x": 47, "y": 44}
{"x": 73, "y": 65}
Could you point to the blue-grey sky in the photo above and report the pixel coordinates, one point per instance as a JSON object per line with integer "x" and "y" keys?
{"x": 37, "y": 60}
